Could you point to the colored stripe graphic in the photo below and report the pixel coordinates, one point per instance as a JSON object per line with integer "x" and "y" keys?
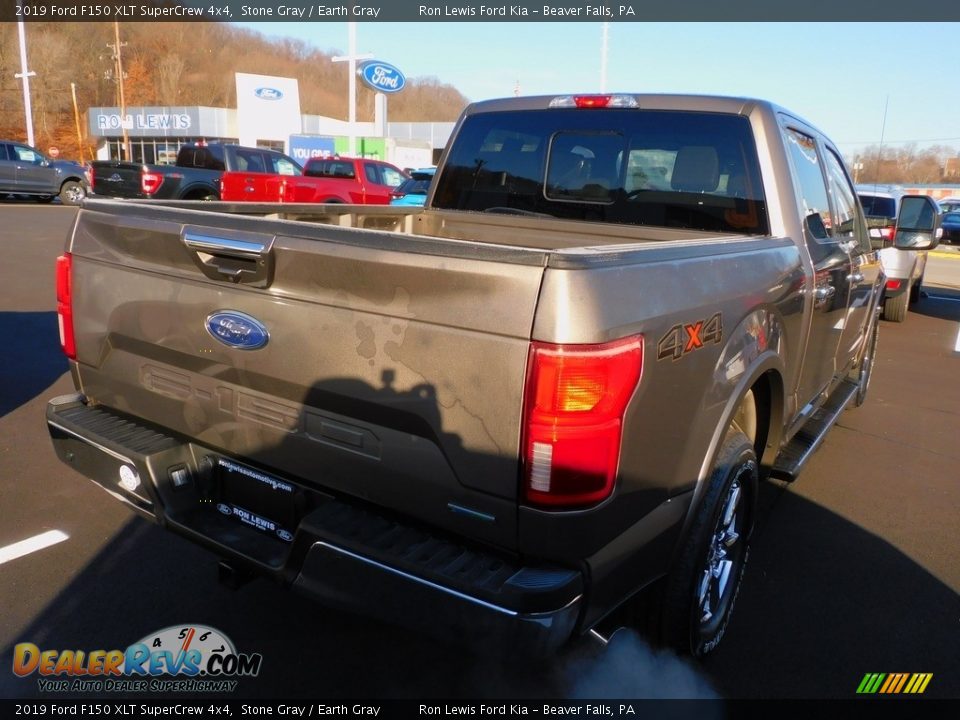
{"x": 894, "y": 683}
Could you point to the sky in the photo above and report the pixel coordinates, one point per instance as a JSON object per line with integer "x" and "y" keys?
{"x": 857, "y": 82}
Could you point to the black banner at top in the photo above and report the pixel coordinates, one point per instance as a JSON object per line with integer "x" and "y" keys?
{"x": 861, "y": 11}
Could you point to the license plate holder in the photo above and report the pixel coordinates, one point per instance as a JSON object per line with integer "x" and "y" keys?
{"x": 257, "y": 499}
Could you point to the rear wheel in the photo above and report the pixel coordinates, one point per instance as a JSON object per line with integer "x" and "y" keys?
{"x": 895, "y": 308}
{"x": 700, "y": 592}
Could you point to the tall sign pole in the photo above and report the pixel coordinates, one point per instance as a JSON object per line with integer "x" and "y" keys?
{"x": 351, "y": 58}
{"x": 123, "y": 102}
{"x": 25, "y": 74}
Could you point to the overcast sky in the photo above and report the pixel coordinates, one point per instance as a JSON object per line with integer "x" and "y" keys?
{"x": 839, "y": 76}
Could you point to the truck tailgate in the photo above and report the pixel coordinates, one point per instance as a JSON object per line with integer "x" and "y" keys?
{"x": 117, "y": 179}
{"x": 391, "y": 367}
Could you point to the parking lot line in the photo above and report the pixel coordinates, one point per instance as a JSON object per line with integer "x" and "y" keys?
{"x": 31, "y": 545}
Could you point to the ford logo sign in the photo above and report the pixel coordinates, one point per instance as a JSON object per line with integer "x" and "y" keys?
{"x": 382, "y": 76}
{"x": 237, "y": 330}
{"x": 268, "y": 93}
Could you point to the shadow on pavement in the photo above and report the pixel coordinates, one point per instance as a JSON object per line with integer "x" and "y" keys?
{"x": 29, "y": 356}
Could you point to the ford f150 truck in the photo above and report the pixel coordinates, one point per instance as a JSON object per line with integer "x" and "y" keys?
{"x": 195, "y": 176}
{"x": 502, "y": 416}
{"x": 360, "y": 181}
{"x": 24, "y": 170}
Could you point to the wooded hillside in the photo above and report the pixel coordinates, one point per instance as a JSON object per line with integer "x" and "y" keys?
{"x": 179, "y": 64}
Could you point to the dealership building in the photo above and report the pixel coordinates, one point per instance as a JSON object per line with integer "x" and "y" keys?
{"x": 267, "y": 115}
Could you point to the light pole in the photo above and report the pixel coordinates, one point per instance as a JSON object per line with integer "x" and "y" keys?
{"x": 25, "y": 74}
{"x": 604, "y": 43}
{"x": 351, "y": 58}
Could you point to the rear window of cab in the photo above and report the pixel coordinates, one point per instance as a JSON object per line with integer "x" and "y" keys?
{"x": 693, "y": 170}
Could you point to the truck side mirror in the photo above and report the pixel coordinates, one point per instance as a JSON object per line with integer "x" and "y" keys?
{"x": 918, "y": 223}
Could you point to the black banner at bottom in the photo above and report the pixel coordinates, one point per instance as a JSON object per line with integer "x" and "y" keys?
{"x": 404, "y": 709}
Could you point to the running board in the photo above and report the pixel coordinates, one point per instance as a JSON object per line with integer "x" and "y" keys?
{"x": 794, "y": 456}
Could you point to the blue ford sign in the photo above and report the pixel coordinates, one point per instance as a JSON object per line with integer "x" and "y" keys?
{"x": 237, "y": 330}
{"x": 268, "y": 93}
{"x": 382, "y": 77}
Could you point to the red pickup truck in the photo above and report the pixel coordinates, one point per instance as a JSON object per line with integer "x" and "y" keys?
{"x": 357, "y": 181}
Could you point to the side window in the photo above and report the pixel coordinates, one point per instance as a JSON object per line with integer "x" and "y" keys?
{"x": 283, "y": 165}
{"x": 813, "y": 191}
{"x": 846, "y": 218}
{"x": 392, "y": 176}
{"x": 212, "y": 158}
{"x": 26, "y": 154}
{"x": 250, "y": 161}
{"x": 4, "y": 152}
{"x": 371, "y": 173}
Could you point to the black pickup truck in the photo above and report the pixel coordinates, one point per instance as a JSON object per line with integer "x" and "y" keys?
{"x": 195, "y": 176}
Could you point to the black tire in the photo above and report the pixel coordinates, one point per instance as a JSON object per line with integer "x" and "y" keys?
{"x": 862, "y": 374}
{"x": 701, "y": 590}
{"x": 895, "y": 308}
{"x": 72, "y": 192}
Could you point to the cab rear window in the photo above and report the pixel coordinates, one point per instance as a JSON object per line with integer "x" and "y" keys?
{"x": 689, "y": 170}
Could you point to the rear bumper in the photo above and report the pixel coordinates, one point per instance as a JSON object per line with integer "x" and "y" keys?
{"x": 341, "y": 552}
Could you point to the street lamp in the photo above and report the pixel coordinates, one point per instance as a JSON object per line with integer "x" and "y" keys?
{"x": 25, "y": 74}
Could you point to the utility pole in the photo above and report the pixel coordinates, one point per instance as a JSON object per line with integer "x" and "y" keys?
{"x": 76, "y": 118}
{"x": 25, "y": 74}
{"x": 123, "y": 103}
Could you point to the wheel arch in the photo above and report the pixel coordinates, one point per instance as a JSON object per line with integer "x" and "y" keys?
{"x": 756, "y": 348}
{"x": 199, "y": 192}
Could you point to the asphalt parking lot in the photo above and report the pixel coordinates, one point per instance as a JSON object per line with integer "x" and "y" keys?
{"x": 854, "y": 567}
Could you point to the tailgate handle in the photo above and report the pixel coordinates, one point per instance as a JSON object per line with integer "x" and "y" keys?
{"x": 247, "y": 261}
{"x": 247, "y": 249}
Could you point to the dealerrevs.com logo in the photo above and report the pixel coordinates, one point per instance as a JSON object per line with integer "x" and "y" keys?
{"x": 184, "y": 658}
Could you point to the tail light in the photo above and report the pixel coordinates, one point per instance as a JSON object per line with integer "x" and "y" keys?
{"x": 575, "y": 399}
{"x": 65, "y": 305}
{"x": 150, "y": 182}
{"x": 894, "y": 284}
{"x": 89, "y": 174}
{"x": 887, "y": 234}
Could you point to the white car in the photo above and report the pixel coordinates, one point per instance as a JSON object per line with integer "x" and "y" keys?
{"x": 904, "y": 268}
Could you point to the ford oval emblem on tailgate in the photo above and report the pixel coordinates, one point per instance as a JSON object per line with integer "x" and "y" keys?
{"x": 237, "y": 329}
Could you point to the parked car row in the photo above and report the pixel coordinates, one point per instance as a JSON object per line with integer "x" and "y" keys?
{"x": 362, "y": 181}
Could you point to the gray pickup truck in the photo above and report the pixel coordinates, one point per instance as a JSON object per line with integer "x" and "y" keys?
{"x": 24, "y": 170}
{"x": 500, "y": 417}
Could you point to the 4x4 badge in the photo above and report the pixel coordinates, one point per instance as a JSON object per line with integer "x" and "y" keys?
{"x": 684, "y": 338}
